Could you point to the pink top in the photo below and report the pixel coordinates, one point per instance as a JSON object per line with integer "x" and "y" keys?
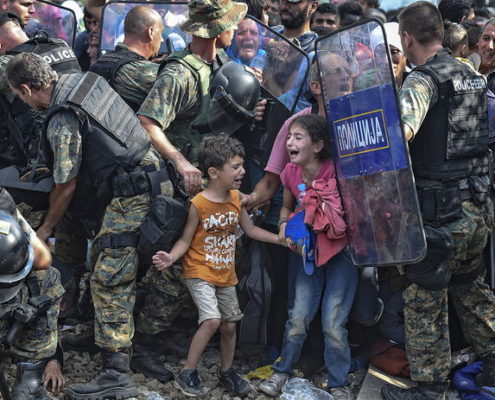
{"x": 291, "y": 176}
{"x": 279, "y": 157}
{"x": 323, "y": 208}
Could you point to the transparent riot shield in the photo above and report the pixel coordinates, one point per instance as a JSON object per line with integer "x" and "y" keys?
{"x": 368, "y": 146}
{"x": 283, "y": 70}
{"x": 173, "y": 14}
{"x": 57, "y": 21}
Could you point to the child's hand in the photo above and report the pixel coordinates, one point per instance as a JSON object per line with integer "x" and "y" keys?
{"x": 162, "y": 260}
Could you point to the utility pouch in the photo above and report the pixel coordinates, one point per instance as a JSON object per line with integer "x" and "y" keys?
{"x": 448, "y": 205}
{"x": 24, "y": 313}
{"x": 439, "y": 203}
{"x": 162, "y": 226}
{"x": 480, "y": 189}
{"x": 433, "y": 272}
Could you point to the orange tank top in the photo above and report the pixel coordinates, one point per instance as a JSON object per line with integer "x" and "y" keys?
{"x": 211, "y": 256}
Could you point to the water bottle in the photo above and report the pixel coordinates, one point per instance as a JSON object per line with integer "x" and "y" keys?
{"x": 302, "y": 192}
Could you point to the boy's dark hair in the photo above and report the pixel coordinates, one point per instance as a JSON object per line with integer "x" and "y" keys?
{"x": 454, "y": 36}
{"x": 216, "y": 151}
{"x": 473, "y": 33}
{"x": 455, "y": 10}
{"x": 423, "y": 21}
{"x": 317, "y": 127}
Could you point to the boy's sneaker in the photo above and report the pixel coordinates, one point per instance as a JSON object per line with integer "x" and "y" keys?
{"x": 189, "y": 383}
{"x": 341, "y": 393}
{"x": 273, "y": 386}
{"x": 231, "y": 380}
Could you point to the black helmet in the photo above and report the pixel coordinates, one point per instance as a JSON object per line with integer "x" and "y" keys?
{"x": 16, "y": 256}
{"x": 234, "y": 92}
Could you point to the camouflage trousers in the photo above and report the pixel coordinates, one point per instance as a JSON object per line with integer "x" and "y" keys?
{"x": 38, "y": 339}
{"x": 166, "y": 296}
{"x": 113, "y": 281}
{"x": 426, "y": 311}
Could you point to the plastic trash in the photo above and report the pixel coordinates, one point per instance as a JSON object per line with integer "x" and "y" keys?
{"x": 154, "y": 396}
{"x": 302, "y": 389}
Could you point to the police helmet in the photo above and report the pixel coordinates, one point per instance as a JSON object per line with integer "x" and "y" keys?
{"x": 16, "y": 256}
{"x": 234, "y": 92}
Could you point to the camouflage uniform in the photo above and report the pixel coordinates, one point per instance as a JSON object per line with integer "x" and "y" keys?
{"x": 71, "y": 243}
{"x": 134, "y": 80}
{"x": 426, "y": 311}
{"x": 38, "y": 339}
{"x": 114, "y": 275}
{"x": 173, "y": 103}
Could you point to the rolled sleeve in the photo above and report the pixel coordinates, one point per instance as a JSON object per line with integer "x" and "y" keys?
{"x": 418, "y": 94}
{"x": 174, "y": 91}
{"x": 66, "y": 144}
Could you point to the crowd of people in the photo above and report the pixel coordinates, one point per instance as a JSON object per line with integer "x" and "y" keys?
{"x": 153, "y": 168}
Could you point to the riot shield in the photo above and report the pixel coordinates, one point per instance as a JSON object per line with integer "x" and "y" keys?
{"x": 283, "y": 70}
{"x": 368, "y": 146}
{"x": 57, "y": 21}
{"x": 173, "y": 14}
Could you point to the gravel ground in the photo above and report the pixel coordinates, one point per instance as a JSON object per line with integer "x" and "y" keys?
{"x": 81, "y": 367}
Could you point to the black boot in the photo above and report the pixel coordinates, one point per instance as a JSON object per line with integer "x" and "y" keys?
{"x": 28, "y": 382}
{"x": 424, "y": 391}
{"x": 114, "y": 381}
{"x": 145, "y": 361}
{"x": 487, "y": 377}
{"x": 84, "y": 342}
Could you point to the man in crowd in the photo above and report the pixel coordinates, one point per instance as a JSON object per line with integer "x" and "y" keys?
{"x": 449, "y": 158}
{"x": 350, "y": 12}
{"x": 296, "y": 19}
{"x": 128, "y": 68}
{"x": 326, "y": 15}
{"x": 23, "y": 8}
{"x": 456, "y": 10}
{"x": 109, "y": 168}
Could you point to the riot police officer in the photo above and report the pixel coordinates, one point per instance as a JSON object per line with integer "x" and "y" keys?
{"x": 23, "y": 164}
{"x": 30, "y": 294}
{"x": 127, "y": 68}
{"x": 103, "y": 161}
{"x": 444, "y": 109}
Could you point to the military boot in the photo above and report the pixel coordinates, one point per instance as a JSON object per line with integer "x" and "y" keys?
{"x": 27, "y": 384}
{"x": 145, "y": 360}
{"x": 424, "y": 391}
{"x": 114, "y": 381}
{"x": 487, "y": 377}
